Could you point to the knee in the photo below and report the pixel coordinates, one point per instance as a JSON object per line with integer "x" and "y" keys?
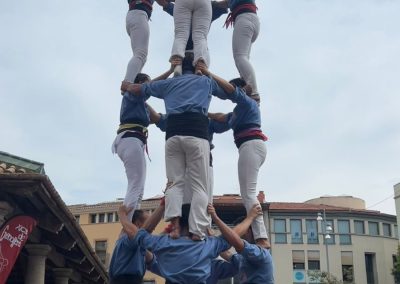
{"x": 141, "y": 54}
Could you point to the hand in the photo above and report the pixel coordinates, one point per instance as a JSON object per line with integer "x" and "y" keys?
{"x": 211, "y": 210}
{"x": 255, "y": 211}
{"x": 123, "y": 210}
{"x": 202, "y": 67}
{"x": 210, "y": 232}
{"x": 125, "y": 85}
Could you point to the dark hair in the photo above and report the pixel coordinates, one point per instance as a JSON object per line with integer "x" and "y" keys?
{"x": 239, "y": 220}
{"x": 184, "y": 220}
{"x": 187, "y": 63}
{"x": 141, "y": 78}
{"x": 137, "y": 216}
{"x": 238, "y": 82}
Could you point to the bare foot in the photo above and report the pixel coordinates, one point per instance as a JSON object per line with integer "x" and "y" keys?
{"x": 176, "y": 229}
{"x": 196, "y": 238}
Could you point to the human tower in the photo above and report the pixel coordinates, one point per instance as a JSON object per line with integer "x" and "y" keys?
{"x": 187, "y": 252}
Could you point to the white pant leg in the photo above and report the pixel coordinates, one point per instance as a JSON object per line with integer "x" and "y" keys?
{"x": 210, "y": 184}
{"x": 183, "y": 21}
{"x": 176, "y": 168}
{"x": 197, "y": 166}
{"x": 251, "y": 157}
{"x": 137, "y": 26}
{"x": 245, "y": 33}
{"x": 131, "y": 151}
{"x": 201, "y": 22}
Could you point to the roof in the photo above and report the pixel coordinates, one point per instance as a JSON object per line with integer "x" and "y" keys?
{"x": 34, "y": 195}
{"x": 10, "y": 164}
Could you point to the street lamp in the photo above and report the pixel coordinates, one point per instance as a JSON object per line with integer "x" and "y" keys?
{"x": 326, "y": 229}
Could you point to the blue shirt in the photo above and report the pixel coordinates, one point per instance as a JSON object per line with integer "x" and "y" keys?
{"x": 183, "y": 260}
{"x": 185, "y": 93}
{"x": 134, "y": 110}
{"x": 255, "y": 265}
{"x": 127, "y": 258}
{"x": 246, "y": 111}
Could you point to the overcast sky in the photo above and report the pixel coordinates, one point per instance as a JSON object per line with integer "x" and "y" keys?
{"x": 328, "y": 73}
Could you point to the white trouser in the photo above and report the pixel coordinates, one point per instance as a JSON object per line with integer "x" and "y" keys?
{"x": 131, "y": 152}
{"x": 251, "y": 157}
{"x": 187, "y": 195}
{"x": 195, "y": 15}
{"x": 137, "y": 26}
{"x": 187, "y": 163}
{"x": 245, "y": 33}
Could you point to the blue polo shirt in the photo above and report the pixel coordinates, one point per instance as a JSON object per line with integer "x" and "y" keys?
{"x": 134, "y": 110}
{"x": 186, "y": 93}
{"x": 127, "y": 258}
{"x": 256, "y": 265}
{"x": 183, "y": 260}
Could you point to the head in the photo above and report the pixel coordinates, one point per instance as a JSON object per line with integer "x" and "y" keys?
{"x": 248, "y": 236}
{"x": 187, "y": 63}
{"x": 142, "y": 78}
{"x": 139, "y": 217}
{"x": 239, "y": 82}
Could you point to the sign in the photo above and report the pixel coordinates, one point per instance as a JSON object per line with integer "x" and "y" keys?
{"x": 299, "y": 276}
{"x": 13, "y": 236}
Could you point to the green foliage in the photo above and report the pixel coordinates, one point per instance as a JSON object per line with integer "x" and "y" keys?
{"x": 324, "y": 277}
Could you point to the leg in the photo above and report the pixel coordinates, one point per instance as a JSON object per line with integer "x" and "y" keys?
{"x": 200, "y": 26}
{"x": 131, "y": 152}
{"x": 138, "y": 30}
{"x": 182, "y": 21}
{"x": 251, "y": 157}
{"x": 197, "y": 161}
{"x": 175, "y": 166}
{"x": 246, "y": 29}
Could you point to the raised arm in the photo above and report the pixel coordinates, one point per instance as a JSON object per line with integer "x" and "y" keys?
{"x": 225, "y": 85}
{"x": 242, "y": 227}
{"x": 154, "y": 116}
{"x": 166, "y": 74}
{"x": 218, "y": 116}
{"x": 130, "y": 228}
{"x": 229, "y": 235}
{"x": 131, "y": 88}
{"x": 152, "y": 222}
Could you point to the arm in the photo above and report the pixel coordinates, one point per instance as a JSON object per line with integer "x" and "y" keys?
{"x": 152, "y": 222}
{"x": 225, "y": 85}
{"x": 220, "y": 117}
{"x": 148, "y": 257}
{"x": 127, "y": 225}
{"x": 135, "y": 89}
{"x": 227, "y": 233}
{"x": 154, "y": 116}
{"x": 242, "y": 228}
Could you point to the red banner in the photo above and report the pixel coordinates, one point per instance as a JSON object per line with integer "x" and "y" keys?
{"x": 13, "y": 236}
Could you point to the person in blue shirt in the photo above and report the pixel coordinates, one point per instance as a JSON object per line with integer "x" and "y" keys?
{"x": 128, "y": 261}
{"x": 131, "y": 141}
{"x": 187, "y": 149}
{"x": 245, "y": 121}
{"x": 179, "y": 260}
{"x": 255, "y": 261}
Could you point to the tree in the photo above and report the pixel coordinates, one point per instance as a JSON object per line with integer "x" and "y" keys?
{"x": 396, "y": 267}
{"x": 323, "y": 277}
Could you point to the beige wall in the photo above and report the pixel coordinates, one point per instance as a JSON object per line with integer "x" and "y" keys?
{"x": 397, "y": 203}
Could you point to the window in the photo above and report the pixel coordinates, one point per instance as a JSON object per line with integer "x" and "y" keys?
{"x": 280, "y": 231}
{"x": 313, "y": 260}
{"x": 331, "y": 239}
{"x": 92, "y": 218}
{"x": 359, "y": 227}
{"x": 77, "y": 218}
{"x": 296, "y": 232}
{"x": 373, "y": 228}
{"x": 110, "y": 217}
{"x": 347, "y": 266}
{"x": 312, "y": 231}
{"x": 298, "y": 259}
{"x": 344, "y": 232}
{"x": 101, "y": 217}
{"x": 100, "y": 248}
{"x": 387, "y": 230}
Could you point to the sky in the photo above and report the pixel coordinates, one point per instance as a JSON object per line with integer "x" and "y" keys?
{"x": 328, "y": 74}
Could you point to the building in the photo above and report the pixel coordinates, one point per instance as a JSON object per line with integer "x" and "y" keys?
{"x": 57, "y": 250}
{"x": 361, "y": 242}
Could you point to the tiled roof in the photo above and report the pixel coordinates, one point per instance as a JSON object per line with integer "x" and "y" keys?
{"x": 13, "y": 164}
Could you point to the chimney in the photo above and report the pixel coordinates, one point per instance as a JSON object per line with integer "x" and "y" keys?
{"x": 261, "y": 197}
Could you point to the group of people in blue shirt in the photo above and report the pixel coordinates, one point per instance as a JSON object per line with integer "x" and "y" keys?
{"x": 188, "y": 253}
